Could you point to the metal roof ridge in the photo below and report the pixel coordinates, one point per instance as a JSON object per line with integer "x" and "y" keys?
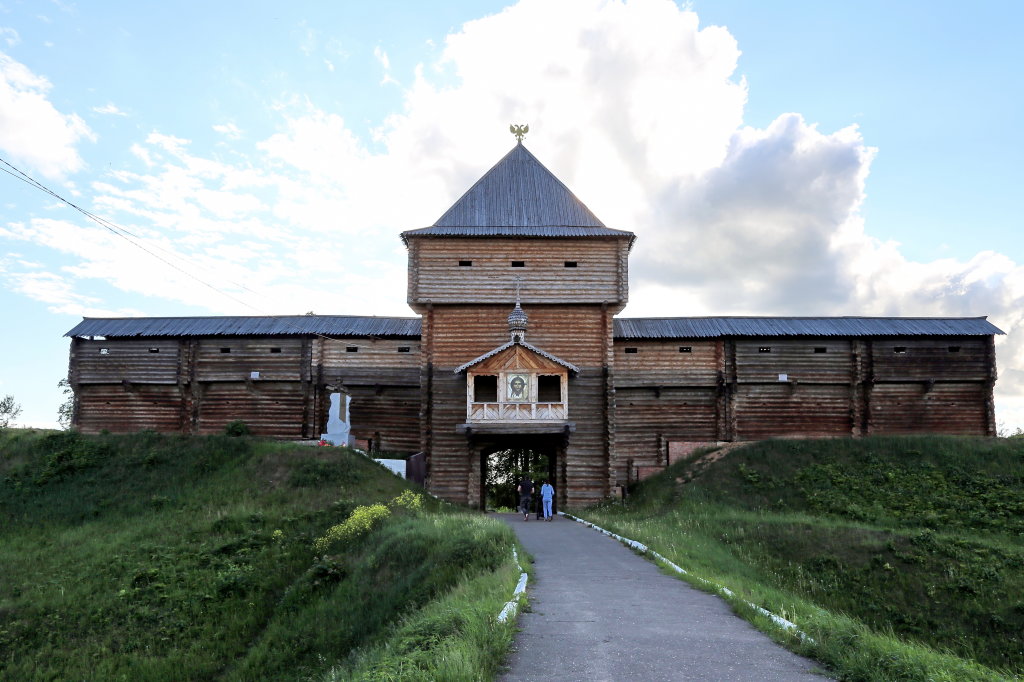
{"x": 245, "y": 317}
{"x": 724, "y": 326}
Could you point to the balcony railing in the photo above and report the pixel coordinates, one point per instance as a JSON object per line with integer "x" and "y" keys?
{"x": 516, "y": 412}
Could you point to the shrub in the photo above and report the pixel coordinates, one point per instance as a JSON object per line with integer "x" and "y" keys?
{"x": 236, "y": 429}
{"x": 359, "y": 523}
{"x": 409, "y": 500}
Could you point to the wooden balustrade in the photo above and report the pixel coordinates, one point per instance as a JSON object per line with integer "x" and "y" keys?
{"x": 516, "y": 412}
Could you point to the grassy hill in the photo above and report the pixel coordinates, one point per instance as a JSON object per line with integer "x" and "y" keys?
{"x": 901, "y": 558}
{"x": 151, "y": 557}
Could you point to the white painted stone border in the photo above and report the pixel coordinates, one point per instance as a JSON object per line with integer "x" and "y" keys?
{"x": 512, "y": 604}
{"x": 725, "y": 591}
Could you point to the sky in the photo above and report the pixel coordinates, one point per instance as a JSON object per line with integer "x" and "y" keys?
{"x": 260, "y": 158}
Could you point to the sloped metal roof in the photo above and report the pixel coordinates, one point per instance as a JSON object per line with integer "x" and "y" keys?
{"x": 520, "y": 191}
{"x": 282, "y": 325}
{"x": 518, "y": 197}
{"x": 625, "y": 328}
{"x": 711, "y": 327}
{"x": 491, "y": 353}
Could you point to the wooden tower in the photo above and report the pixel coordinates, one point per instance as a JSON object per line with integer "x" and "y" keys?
{"x": 517, "y": 284}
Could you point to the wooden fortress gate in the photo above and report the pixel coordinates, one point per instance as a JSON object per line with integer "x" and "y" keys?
{"x": 517, "y": 234}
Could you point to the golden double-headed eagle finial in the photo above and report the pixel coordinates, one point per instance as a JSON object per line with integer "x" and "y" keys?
{"x": 519, "y": 131}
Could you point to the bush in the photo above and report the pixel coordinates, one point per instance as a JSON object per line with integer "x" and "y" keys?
{"x": 236, "y": 429}
{"x": 359, "y": 523}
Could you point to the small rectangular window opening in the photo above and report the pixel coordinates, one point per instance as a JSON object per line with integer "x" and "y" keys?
{"x": 549, "y": 389}
{"x": 225, "y": 350}
{"x": 631, "y": 350}
{"x": 154, "y": 350}
{"x": 954, "y": 349}
{"x": 519, "y": 264}
{"x": 275, "y": 350}
{"x": 685, "y": 349}
{"x": 351, "y": 349}
{"x": 104, "y": 351}
{"x": 820, "y": 349}
{"x": 465, "y": 263}
{"x": 899, "y": 349}
{"x": 764, "y": 349}
{"x": 570, "y": 263}
{"x": 485, "y": 389}
{"x": 403, "y": 349}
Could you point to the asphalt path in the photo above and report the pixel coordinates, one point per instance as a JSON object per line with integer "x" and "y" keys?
{"x": 598, "y": 611}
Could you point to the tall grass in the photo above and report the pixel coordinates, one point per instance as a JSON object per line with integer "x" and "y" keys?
{"x": 902, "y": 558}
{"x": 152, "y": 557}
{"x": 456, "y": 637}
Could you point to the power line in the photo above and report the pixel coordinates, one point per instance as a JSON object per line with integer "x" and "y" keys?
{"x": 131, "y": 238}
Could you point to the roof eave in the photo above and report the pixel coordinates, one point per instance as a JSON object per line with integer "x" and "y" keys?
{"x": 515, "y": 342}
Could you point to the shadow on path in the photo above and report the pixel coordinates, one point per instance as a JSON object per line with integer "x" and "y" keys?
{"x": 600, "y": 612}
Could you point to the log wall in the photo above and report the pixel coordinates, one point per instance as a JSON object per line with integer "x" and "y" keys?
{"x": 752, "y": 389}
{"x": 199, "y": 385}
{"x": 487, "y": 273}
{"x": 145, "y": 361}
{"x": 120, "y": 408}
{"x": 382, "y": 376}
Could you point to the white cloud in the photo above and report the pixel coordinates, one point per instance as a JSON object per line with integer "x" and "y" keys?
{"x": 9, "y": 36}
{"x": 32, "y": 130}
{"x": 382, "y": 57}
{"x": 109, "y": 109}
{"x": 229, "y": 130}
{"x": 307, "y": 38}
{"x": 60, "y": 296}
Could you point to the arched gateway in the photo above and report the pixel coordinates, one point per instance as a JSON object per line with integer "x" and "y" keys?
{"x": 600, "y": 400}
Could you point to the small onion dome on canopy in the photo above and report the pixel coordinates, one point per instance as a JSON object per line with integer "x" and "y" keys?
{"x": 517, "y": 322}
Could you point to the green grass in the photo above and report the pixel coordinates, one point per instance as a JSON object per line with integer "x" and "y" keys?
{"x": 453, "y": 638}
{"x": 151, "y": 557}
{"x": 902, "y": 558}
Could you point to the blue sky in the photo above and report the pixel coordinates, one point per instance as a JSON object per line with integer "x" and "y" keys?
{"x": 798, "y": 158}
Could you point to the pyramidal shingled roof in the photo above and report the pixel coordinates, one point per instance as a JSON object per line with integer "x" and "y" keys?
{"x": 519, "y": 191}
{"x": 519, "y": 197}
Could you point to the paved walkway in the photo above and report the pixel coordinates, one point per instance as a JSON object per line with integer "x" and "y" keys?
{"x": 600, "y": 612}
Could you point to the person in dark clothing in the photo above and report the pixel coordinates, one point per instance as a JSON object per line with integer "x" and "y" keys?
{"x": 525, "y": 489}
